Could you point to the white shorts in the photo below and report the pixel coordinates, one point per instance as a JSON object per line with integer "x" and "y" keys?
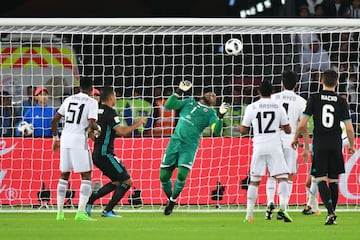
{"x": 75, "y": 159}
{"x": 273, "y": 162}
{"x": 291, "y": 157}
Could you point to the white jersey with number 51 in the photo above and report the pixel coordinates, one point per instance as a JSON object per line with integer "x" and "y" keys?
{"x": 77, "y": 110}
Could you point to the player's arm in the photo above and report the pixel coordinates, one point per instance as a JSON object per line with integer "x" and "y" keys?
{"x": 93, "y": 127}
{"x": 244, "y": 129}
{"x": 286, "y": 128}
{"x": 284, "y": 121}
{"x": 54, "y": 129}
{"x": 126, "y": 130}
{"x": 306, "y": 145}
{"x": 217, "y": 126}
{"x": 245, "y": 125}
{"x": 172, "y": 102}
{"x": 350, "y": 134}
{"x": 300, "y": 130}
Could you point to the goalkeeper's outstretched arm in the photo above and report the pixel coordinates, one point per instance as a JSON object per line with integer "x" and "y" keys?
{"x": 172, "y": 102}
{"x": 217, "y": 126}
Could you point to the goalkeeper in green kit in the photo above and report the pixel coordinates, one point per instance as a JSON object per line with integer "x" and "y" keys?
{"x": 194, "y": 117}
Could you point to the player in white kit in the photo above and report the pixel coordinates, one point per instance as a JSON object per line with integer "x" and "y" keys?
{"x": 268, "y": 118}
{"x": 80, "y": 112}
{"x": 294, "y": 106}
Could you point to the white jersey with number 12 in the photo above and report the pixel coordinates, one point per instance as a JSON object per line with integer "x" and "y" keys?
{"x": 266, "y": 116}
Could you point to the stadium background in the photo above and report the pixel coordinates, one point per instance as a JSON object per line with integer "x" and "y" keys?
{"x": 107, "y": 68}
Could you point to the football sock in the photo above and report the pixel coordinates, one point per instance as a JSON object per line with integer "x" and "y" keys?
{"x": 167, "y": 187}
{"x": 307, "y": 193}
{"x": 178, "y": 187}
{"x": 118, "y": 194}
{"x": 252, "y": 194}
{"x": 180, "y": 181}
{"x": 290, "y": 185}
{"x": 270, "y": 189}
{"x": 334, "y": 189}
{"x": 85, "y": 191}
{"x": 283, "y": 195}
{"x": 61, "y": 192}
{"x": 313, "y": 191}
{"x": 165, "y": 176}
{"x": 107, "y": 188}
{"x": 325, "y": 195}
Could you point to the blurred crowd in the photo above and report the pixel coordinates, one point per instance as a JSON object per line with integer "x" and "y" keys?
{"x": 329, "y": 8}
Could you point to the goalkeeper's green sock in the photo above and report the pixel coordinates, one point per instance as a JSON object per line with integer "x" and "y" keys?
{"x": 178, "y": 187}
{"x": 167, "y": 187}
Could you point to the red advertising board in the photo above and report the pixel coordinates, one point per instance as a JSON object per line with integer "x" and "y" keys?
{"x": 28, "y": 164}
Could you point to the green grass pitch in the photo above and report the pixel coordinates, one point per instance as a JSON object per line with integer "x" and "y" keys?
{"x": 179, "y": 225}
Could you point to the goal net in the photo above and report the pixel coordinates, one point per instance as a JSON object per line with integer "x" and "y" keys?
{"x": 144, "y": 60}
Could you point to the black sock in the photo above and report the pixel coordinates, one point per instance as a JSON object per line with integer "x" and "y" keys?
{"x": 334, "y": 189}
{"x": 118, "y": 194}
{"x": 325, "y": 195}
{"x": 107, "y": 188}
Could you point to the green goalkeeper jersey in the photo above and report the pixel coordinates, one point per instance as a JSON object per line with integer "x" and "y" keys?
{"x": 194, "y": 117}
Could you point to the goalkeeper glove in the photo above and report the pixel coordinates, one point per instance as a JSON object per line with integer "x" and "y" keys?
{"x": 184, "y": 86}
{"x": 224, "y": 107}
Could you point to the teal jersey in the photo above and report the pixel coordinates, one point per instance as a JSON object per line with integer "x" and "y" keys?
{"x": 194, "y": 117}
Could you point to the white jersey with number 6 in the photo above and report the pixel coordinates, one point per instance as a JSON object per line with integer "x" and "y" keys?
{"x": 266, "y": 116}
{"x": 294, "y": 106}
{"x": 77, "y": 110}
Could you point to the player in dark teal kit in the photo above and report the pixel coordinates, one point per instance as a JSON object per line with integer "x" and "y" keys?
{"x": 194, "y": 117}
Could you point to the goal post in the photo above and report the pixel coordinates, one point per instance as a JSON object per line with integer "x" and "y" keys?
{"x": 150, "y": 56}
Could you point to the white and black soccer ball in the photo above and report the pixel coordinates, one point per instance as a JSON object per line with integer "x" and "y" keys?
{"x": 25, "y": 128}
{"x": 233, "y": 47}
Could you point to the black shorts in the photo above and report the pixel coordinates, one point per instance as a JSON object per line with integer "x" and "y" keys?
{"x": 327, "y": 162}
{"x": 112, "y": 167}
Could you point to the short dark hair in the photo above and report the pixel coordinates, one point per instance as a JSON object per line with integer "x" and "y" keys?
{"x": 330, "y": 78}
{"x": 86, "y": 83}
{"x": 289, "y": 79}
{"x": 105, "y": 93}
{"x": 265, "y": 88}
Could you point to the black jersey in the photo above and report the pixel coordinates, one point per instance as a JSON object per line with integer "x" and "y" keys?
{"x": 108, "y": 121}
{"x": 328, "y": 109}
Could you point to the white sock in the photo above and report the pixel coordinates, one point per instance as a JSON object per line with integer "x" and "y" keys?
{"x": 61, "y": 192}
{"x": 270, "y": 189}
{"x": 85, "y": 191}
{"x": 290, "y": 185}
{"x": 312, "y": 202}
{"x": 283, "y": 190}
{"x": 307, "y": 193}
{"x": 252, "y": 194}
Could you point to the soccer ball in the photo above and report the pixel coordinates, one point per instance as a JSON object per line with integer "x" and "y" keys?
{"x": 233, "y": 47}
{"x": 25, "y": 128}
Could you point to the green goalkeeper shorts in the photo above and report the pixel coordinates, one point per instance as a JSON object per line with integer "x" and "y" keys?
{"x": 178, "y": 154}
